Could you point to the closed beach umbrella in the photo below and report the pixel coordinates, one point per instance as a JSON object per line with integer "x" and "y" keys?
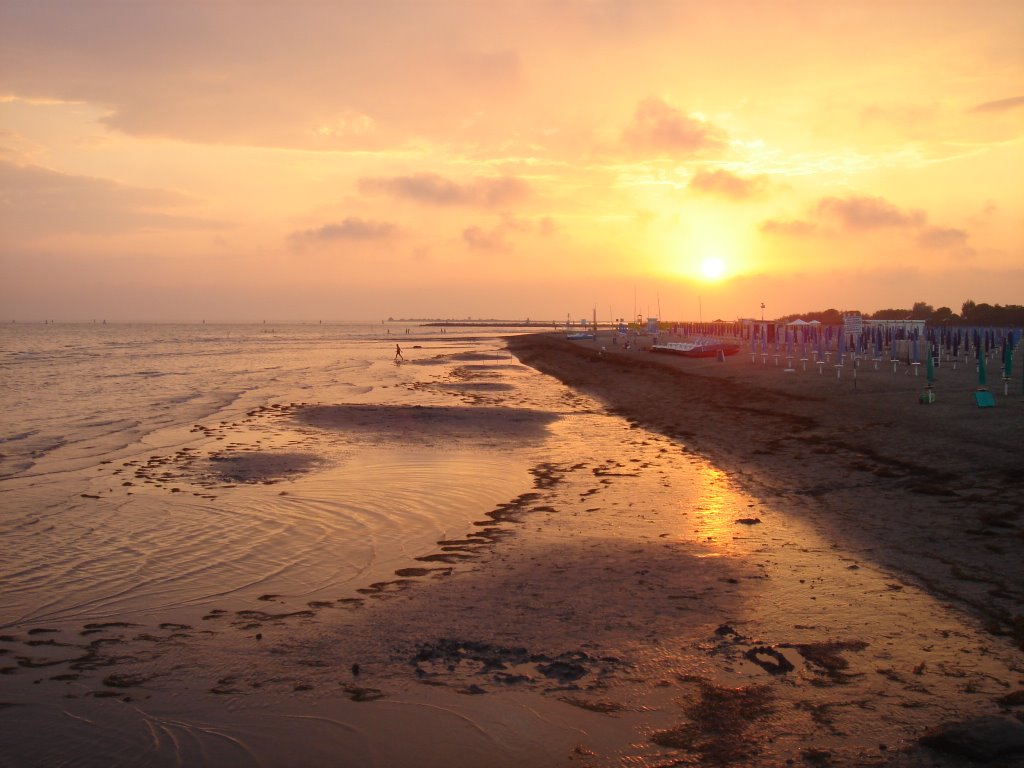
{"x": 1007, "y": 359}
{"x": 930, "y": 370}
{"x": 981, "y": 371}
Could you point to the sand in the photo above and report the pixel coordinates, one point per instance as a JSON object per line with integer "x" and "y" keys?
{"x": 733, "y": 565}
{"x": 934, "y": 491}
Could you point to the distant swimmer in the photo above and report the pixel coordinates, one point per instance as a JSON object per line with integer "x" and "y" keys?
{"x": 398, "y": 353}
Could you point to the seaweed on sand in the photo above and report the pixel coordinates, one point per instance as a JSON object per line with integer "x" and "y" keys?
{"x": 718, "y": 723}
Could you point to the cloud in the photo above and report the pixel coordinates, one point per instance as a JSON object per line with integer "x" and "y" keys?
{"x": 942, "y": 237}
{"x": 345, "y": 125}
{"x": 349, "y": 229}
{"x": 34, "y": 200}
{"x": 484, "y": 240}
{"x": 317, "y": 76}
{"x": 500, "y": 68}
{"x": 497, "y": 238}
{"x": 1001, "y": 105}
{"x": 659, "y": 127}
{"x": 791, "y": 228}
{"x": 725, "y": 184}
{"x": 434, "y": 189}
{"x": 864, "y": 213}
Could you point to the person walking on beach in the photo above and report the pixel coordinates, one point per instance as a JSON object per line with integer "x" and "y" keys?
{"x": 398, "y": 354}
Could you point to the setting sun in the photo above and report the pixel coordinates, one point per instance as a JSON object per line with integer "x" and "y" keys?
{"x": 712, "y": 269}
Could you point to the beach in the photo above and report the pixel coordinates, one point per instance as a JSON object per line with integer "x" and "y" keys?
{"x": 933, "y": 490}
{"x": 655, "y": 561}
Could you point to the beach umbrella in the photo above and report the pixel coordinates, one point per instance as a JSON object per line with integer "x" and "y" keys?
{"x": 981, "y": 372}
{"x": 1007, "y": 364}
{"x": 930, "y": 370}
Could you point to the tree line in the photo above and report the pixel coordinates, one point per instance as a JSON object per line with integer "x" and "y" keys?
{"x": 971, "y": 313}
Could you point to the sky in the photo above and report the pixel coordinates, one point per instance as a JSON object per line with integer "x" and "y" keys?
{"x": 310, "y": 160}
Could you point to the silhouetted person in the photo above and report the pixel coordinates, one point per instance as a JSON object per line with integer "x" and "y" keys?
{"x": 398, "y": 353}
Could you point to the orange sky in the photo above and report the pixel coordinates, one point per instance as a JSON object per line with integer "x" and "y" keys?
{"x": 305, "y": 160}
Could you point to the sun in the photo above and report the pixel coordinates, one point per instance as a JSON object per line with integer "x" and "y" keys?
{"x": 713, "y": 269}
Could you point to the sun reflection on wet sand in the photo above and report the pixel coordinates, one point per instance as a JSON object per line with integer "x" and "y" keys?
{"x": 716, "y": 511}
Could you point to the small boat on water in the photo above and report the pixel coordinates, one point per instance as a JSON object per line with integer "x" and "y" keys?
{"x": 699, "y": 348}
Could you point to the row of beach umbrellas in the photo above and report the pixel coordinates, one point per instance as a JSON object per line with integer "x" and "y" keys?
{"x": 953, "y": 341}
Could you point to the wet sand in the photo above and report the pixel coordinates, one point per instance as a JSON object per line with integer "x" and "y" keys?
{"x": 737, "y": 567}
{"x": 935, "y": 491}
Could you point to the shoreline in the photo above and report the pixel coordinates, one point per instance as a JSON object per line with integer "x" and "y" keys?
{"x": 935, "y": 492}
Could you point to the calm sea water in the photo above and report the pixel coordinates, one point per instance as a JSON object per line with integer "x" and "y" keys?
{"x": 157, "y": 468}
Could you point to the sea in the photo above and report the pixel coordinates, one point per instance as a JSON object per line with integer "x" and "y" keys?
{"x": 149, "y": 470}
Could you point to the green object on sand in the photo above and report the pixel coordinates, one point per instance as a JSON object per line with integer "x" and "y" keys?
{"x": 984, "y": 399}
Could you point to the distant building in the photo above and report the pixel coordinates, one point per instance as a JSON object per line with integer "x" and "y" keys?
{"x": 906, "y": 326}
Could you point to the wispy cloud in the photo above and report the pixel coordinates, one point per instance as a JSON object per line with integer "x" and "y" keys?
{"x": 790, "y": 228}
{"x": 34, "y": 200}
{"x": 725, "y": 184}
{"x": 497, "y": 237}
{"x": 434, "y": 189}
{"x": 485, "y": 240}
{"x": 942, "y": 237}
{"x": 1000, "y": 105}
{"x": 659, "y": 128}
{"x": 349, "y": 229}
{"x": 863, "y": 213}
